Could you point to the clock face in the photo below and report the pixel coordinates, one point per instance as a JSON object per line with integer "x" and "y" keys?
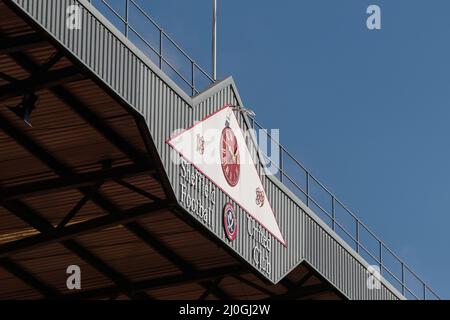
{"x": 229, "y": 155}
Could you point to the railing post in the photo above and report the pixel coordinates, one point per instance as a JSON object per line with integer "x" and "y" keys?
{"x": 193, "y": 78}
{"x": 403, "y": 278}
{"x": 381, "y": 255}
{"x": 307, "y": 188}
{"x": 333, "y": 214}
{"x": 357, "y": 235}
{"x": 127, "y": 4}
{"x": 424, "y": 291}
{"x": 160, "y": 48}
{"x": 281, "y": 162}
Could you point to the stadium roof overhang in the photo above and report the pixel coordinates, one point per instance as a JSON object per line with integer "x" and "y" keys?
{"x": 84, "y": 185}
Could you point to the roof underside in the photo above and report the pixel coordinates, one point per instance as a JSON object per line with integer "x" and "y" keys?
{"x": 84, "y": 186}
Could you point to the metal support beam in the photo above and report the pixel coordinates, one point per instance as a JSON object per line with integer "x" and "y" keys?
{"x": 285, "y": 282}
{"x": 303, "y": 292}
{"x": 99, "y": 125}
{"x": 150, "y": 284}
{"x": 6, "y": 77}
{"x": 62, "y": 169}
{"x": 18, "y": 271}
{"x": 298, "y": 290}
{"x": 72, "y": 181}
{"x": 255, "y": 286}
{"x": 136, "y": 189}
{"x": 170, "y": 255}
{"x": 213, "y": 288}
{"x": 290, "y": 286}
{"x": 111, "y": 135}
{"x": 305, "y": 278}
{"x": 73, "y": 212}
{"x": 84, "y": 112}
{"x": 20, "y": 43}
{"x": 35, "y": 83}
{"x": 34, "y": 219}
{"x": 26, "y": 214}
{"x": 35, "y": 149}
{"x": 159, "y": 247}
{"x": 121, "y": 281}
{"x": 77, "y": 229}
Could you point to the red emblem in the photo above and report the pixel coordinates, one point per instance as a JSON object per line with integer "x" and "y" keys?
{"x": 259, "y": 197}
{"x": 229, "y": 154}
{"x": 200, "y": 144}
{"x": 230, "y": 221}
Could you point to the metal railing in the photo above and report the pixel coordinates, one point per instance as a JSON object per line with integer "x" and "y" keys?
{"x": 129, "y": 27}
{"x": 404, "y": 279}
{"x": 333, "y": 212}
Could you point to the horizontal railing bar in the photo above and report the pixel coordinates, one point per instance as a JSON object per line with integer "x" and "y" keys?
{"x": 345, "y": 230}
{"x": 407, "y": 289}
{"x": 369, "y": 253}
{"x": 298, "y": 187}
{"x": 146, "y": 15}
{"x": 432, "y": 292}
{"x": 394, "y": 276}
{"x": 176, "y": 71}
{"x": 114, "y": 11}
{"x": 145, "y": 41}
{"x": 306, "y": 170}
{"x": 385, "y": 268}
{"x": 199, "y": 68}
{"x": 163, "y": 35}
{"x": 162, "y": 30}
{"x": 414, "y": 274}
{"x": 163, "y": 59}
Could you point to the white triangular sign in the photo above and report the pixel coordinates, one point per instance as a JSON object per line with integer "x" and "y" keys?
{"x": 217, "y": 148}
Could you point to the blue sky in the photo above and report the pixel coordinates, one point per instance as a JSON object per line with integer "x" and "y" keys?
{"x": 366, "y": 111}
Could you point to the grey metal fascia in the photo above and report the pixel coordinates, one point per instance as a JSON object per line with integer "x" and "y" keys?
{"x": 215, "y": 88}
{"x": 161, "y": 74}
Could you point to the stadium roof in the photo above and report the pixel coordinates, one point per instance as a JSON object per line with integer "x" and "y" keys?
{"x": 84, "y": 186}
{"x": 87, "y": 180}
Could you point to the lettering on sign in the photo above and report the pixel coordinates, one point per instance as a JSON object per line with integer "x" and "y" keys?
{"x": 198, "y": 194}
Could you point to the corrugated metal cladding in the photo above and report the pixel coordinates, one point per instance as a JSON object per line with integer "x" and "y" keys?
{"x": 166, "y": 108}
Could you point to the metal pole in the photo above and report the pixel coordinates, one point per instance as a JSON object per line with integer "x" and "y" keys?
{"x": 127, "y": 22}
{"x": 214, "y": 41}
{"x": 307, "y": 188}
{"x": 193, "y": 78}
{"x": 160, "y": 48}
{"x": 281, "y": 163}
{"x": 381, "y": 256}
{"x": 357, "y": 235}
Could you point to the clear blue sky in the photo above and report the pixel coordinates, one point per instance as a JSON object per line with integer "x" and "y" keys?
{"x": 366, "y": 111}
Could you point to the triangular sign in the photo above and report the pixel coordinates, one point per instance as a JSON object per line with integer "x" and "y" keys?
{"x": 216, "y": 147}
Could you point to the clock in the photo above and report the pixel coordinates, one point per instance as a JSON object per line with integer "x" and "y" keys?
{"x": 229, "y": 156}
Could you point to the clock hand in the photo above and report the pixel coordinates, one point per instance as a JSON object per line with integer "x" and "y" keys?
{"x": 229, "y": 148}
